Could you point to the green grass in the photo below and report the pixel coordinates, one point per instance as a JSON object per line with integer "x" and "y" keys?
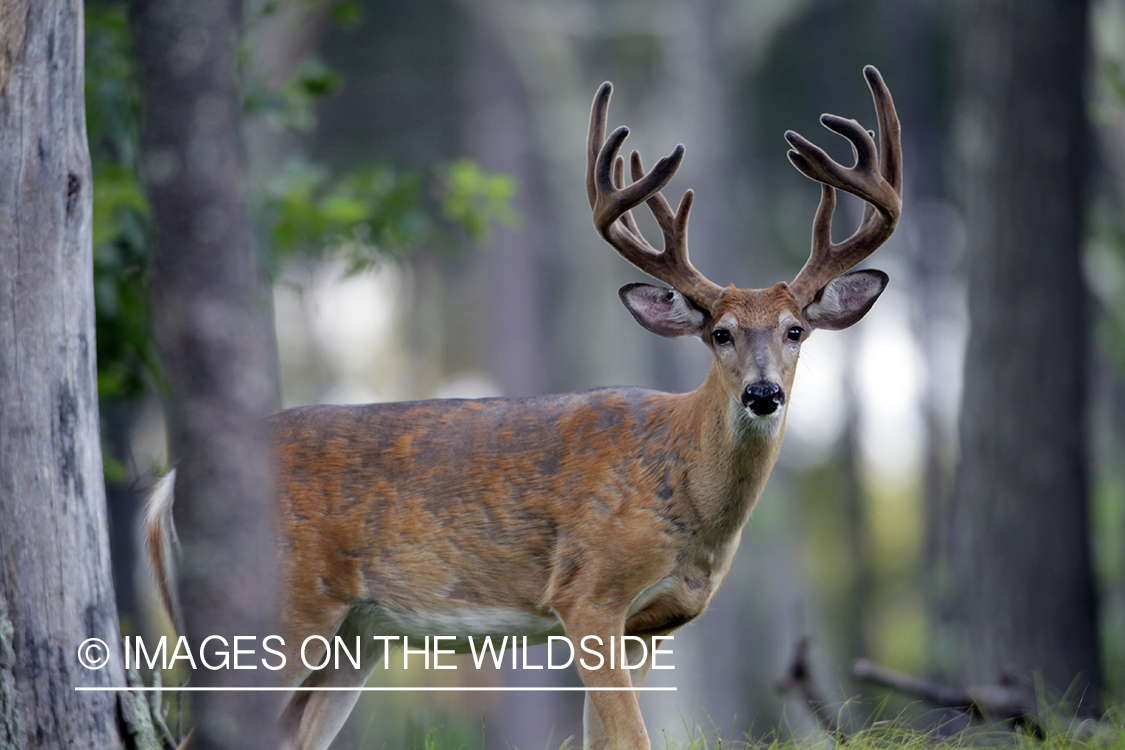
{"x": 1060, "y": 734}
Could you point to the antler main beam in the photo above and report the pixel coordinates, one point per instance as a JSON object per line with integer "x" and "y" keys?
{"x": 612, "y": 202}
{"x": 877, "y": 181}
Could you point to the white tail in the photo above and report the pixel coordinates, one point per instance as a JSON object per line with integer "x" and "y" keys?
{"x": 164, "y": 546}
{"x": 605, "y": 513}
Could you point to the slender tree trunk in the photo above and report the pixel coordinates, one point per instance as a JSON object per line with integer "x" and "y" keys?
{"x": 56, "y": 587}
{"x": 215, "y": 341}
{"x": 1023, "y": 600}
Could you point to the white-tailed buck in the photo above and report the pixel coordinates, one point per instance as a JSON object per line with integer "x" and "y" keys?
{"x": 610, "y": 512}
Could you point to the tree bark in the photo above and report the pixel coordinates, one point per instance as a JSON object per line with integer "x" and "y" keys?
{"x": 1023, "y": 599}
{"x": 215, "y": 340}
{"x": 56, "y": 587}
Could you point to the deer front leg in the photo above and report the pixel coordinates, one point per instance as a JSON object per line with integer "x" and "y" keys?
{"x": 612, "y": 718}
{"x": 595, "y": 736}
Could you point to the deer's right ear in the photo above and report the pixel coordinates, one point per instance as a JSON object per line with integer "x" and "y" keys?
{"x": 663, "y": 311}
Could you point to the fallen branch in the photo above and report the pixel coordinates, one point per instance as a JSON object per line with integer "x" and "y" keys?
{"x": 1007, "y": 701}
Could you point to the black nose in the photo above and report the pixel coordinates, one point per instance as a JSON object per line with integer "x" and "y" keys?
{"x": 763, "y": 398}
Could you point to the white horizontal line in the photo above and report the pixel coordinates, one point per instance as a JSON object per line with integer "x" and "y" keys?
{"x": 364, "y": 689}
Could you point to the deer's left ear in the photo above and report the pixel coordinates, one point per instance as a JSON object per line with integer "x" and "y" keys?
{"x": 845, "y": 299}
{"x": 663, "y": 311}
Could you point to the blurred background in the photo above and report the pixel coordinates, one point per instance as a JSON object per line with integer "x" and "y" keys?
{"x": 417, "y": 177}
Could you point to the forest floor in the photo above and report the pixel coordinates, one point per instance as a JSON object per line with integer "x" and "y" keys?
{"x": 1054, "y": 734}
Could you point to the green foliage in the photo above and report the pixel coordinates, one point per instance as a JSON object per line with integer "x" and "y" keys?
{"x": 293, "y": 104}
{"x": 120, "y": 223}
{"x": 372, "y": 213}
{"x": 473, "y": 199}
{"x": 368, "y": 214}
{"x": 346, "y": 13}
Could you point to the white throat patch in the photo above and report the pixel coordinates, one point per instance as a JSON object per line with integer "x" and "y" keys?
{"x": 746, "y": 426}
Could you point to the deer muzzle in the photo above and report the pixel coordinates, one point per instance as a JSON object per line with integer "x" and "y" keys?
{"x": 763, "y": 398}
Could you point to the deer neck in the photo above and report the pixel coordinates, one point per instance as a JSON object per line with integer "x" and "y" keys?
{"x": 730, "y": 456}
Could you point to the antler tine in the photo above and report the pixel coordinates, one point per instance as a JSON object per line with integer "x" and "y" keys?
{"x": 876, "y": 178}
{"x": 673, "y": 226}
{"x": 612, "y": 202}
{"x": 595, "y": 138}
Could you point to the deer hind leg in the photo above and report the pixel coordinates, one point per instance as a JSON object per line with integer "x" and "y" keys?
{"x": 312, "y": 719}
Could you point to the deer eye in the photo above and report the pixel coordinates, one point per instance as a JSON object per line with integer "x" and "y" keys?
{"x": 794, "y": 333}
{"x": 721, "y": 337}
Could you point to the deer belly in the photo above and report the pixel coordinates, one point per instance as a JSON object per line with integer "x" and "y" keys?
{"x": 460, "y": 622}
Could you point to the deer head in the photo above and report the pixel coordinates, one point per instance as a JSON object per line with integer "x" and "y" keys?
{"x": 754, "y": 335}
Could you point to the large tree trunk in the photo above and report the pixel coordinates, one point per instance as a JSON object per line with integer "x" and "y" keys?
{"x": 215, "y": 340}
{"x": 56, "y": 588}
{"x": 1023, "y": 598}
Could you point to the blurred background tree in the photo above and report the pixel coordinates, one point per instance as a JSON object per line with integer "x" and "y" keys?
{"x": 1021, "y": 591}
{"x": 362, "y": 113}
